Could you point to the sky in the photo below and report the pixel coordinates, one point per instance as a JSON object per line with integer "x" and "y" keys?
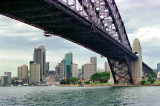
{"x": 18, "y": 40}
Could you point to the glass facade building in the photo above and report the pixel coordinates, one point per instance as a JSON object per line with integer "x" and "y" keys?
{"x": 69, "y": 60}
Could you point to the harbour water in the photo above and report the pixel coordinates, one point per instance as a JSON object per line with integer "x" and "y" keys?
{"x": 79, "y": 96}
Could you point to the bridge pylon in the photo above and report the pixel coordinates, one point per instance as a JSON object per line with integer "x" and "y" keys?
{"x": 137, "y": 64}
{"x": 121, "y": 70}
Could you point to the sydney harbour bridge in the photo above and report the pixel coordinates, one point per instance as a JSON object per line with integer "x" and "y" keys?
{"x": 93, "y": 24}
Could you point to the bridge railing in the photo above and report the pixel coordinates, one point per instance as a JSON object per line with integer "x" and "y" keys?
{"x": 104, "y": 14}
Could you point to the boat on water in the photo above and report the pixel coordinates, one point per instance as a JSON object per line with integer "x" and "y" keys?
{"x": 19, "y": 85}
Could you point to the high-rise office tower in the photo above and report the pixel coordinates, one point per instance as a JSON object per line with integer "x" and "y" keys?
{"x": 69, "y": 61}
{"x": 8, "y": 74}
{"x": 3, "y": 80}
{"x": 93, "y": 60}
{"x": 23, "y": 73}
{"x": 88, "y": 70}
{"x": 40, "y": 58}
{"x": 57, "y": 69}
{"x": 34, "y": 73}
{"x": 47, "y": 68}
{"x": 158, "y": 67}
{"x": 105, "y": 66}
{"x": 74, "y": 70}
{"x": 62, "y": 69}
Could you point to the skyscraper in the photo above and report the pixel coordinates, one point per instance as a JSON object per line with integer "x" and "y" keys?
{"x": 93, "y": 60}
{"x": 8, "y": 74}
{"x": 69, "y": 61}
{"x": 88, "y": 70}
{"x": 47, "y": 68}
{"x": 34, "y": 73}
{"x": 74, "y": 70}
{"x": 62, "y": 69}
{"x": 23, "y": 73}
{"x": 3, "y": 80}
{"x": 39, "y": 57}
{"x": 158, "y": 67}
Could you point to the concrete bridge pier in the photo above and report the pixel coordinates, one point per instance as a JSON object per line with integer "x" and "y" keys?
{"x": 137, "y": 72}
{"x": 126, "y": 71}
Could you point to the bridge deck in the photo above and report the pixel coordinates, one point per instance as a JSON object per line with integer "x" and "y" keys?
{"x": 60, "y": 20}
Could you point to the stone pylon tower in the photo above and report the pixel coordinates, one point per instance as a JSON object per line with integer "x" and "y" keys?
{"x": 137, "y": 65}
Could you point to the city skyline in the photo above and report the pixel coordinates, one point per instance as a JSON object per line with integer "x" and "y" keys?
{"x": 33, "y": 57}
{"x": 17, "y": 40}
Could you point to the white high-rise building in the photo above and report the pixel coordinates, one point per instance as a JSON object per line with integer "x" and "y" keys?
{"x": 93, "y": 60}
{"x": 34, "y": 73}
{"x": 23, "y": 73}
{"x": 39, "y": 57}
{"x": 74, "y": 70}
{"x": 88, "y": 70}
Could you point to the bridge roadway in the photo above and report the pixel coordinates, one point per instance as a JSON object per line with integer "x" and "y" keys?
{"x": 60, "y": 20}
{"x": 106, "y": 37}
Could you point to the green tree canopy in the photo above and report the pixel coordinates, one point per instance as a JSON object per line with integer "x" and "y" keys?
{"x": 102, "y": 77}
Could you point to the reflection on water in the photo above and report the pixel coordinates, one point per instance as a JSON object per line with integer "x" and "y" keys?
{"x": 80, "y": 96}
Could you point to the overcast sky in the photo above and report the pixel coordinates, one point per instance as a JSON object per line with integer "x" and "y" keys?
{"x": 18, "y": 40}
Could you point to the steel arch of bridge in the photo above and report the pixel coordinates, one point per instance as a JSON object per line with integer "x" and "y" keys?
{"x": 98, "y": 20}
{"x": 103, "y": 14}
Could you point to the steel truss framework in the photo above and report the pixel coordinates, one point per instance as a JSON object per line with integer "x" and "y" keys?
{"x": 93, "y": 24}
{"x": 104, "y": 14}
{"x": 121, "y": 70}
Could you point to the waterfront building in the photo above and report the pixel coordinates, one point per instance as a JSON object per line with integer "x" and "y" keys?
{"x": 74, "y": 70}
{"x": 14, "y": 80}
{"x": 57, "y": 69}
{"x": 62, "y": 69}
{"x": 158, "y": 75}
{"x": 34, "y": 73}
{"x": 8, "y": 74}
{"x": 79, "y": 73}
{"x": 23, "y": 73}
{"x": 47, "y": 67}
{"x": 69, "y": 61}
{"x": 39, "y": 57}
{"x": 88, "y": 70}
{"x": 4, "y": 80}
{"x": 93, "y": 60}
{"x": 158, "y": 67}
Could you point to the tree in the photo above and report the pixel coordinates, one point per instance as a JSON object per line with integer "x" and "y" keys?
{"x": 143, "y": 82}
{"x": 95, "y": 77}
{"x": 102, "y": 77}
{"x": 68, "y": 81}
{"x": 87, "y": 82}
{"x": 74, "y": 80}
{"x": 63, "y": 82}
{"x": 79, "y": 83}
{"x": 152, "y": 77}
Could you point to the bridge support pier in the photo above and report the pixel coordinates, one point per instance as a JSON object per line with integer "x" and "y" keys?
{"x": 121, "y": 70}
{"x": 137, "y": 65}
